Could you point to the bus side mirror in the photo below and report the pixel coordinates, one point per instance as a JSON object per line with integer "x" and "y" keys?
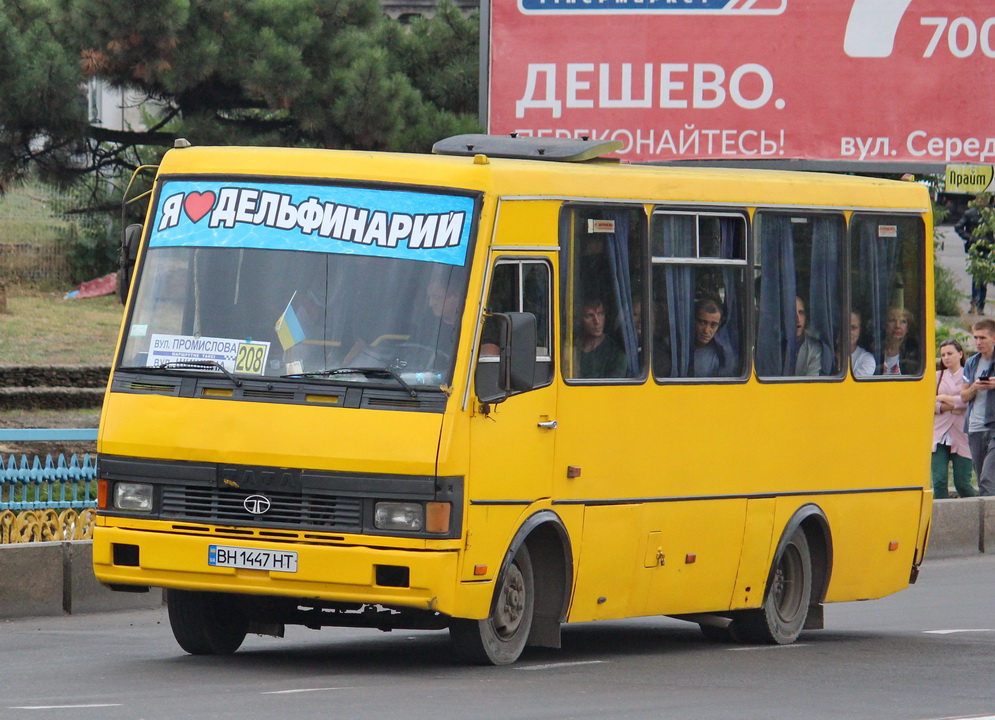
{"x": 130, "y": 241}
{"x": 508, "y": 357}
{"x": 522, "y": 354}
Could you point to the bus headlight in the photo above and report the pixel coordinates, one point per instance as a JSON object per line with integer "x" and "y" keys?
{"x": 133, "y": 496}
{"x": 399, "y": 516}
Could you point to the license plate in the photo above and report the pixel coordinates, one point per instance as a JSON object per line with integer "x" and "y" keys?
{"x": 252, "y": 558}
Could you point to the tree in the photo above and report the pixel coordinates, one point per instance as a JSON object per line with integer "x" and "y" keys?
{"x": 42, "y": 116}
{"x": 324, "y": 73}
{"x": 981, "y": 252}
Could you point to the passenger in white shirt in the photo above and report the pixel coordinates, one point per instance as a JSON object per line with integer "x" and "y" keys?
{"x": 861, "y": 361}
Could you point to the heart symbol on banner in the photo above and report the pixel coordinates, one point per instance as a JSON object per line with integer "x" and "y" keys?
{"x": 196, "y": 205}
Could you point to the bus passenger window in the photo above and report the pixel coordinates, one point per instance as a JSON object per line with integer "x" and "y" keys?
{"x": 602, "y": 307}
{"x": 699, "y": 265}
{"x": 799, "y": 294}
{"x": 886, "y": 281}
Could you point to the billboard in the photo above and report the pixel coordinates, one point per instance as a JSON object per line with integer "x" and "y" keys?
{"x": 850, "y": 80}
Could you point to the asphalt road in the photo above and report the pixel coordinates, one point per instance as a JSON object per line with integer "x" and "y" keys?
{"x": 921, "y": 654}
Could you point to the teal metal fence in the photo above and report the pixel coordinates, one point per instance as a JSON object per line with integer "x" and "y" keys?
{"x": 35, "y": 484}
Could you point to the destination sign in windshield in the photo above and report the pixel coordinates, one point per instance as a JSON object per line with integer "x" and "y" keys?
{"x": 318, "y": 218}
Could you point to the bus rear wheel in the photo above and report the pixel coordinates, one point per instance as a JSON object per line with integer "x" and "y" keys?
{"x": 781, "y": 618}
{"x": 500, "y": 638}
{"x": 206, "y": 623}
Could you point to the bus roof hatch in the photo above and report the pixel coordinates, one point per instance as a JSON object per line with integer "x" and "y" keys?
{"x": 527, "y": 147}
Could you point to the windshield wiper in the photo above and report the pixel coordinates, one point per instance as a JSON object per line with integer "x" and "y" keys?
{"x": 186, "y": 365}
{"x": 367, "y": 371}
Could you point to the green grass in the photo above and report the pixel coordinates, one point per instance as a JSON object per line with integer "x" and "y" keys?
{"x": 27, "y": 215}
{"x": 43, "y": 329}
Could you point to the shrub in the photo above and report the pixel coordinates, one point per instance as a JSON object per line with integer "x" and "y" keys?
{"x": 946, "y": 299}
{"x": 92, "y": 250}
{"x": 946, "y": 332}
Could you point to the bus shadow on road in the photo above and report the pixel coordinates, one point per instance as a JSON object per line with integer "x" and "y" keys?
{"x": 414, "y": 652}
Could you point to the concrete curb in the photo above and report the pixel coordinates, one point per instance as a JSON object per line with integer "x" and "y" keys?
{"x": 56, "y": 578}
{"x": 965, "y": 526}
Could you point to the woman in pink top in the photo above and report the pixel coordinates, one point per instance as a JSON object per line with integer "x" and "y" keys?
{"x": 949, "y": 438}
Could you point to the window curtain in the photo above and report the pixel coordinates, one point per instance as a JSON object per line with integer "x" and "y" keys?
{"x": 728, "y": 336}
{"x": 617, "y": 251}
{"x": 678, "y": 232}
{"x": 776, "y": 352}
{"x": 824, "y": 293}
{"x": 568, "y": 289}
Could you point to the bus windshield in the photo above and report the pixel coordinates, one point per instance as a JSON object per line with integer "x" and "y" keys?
{"x": 279, "y": 302}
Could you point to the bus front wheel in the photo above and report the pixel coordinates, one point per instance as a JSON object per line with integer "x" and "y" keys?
{"x": 781, "y": 618}
{"x": 206, "y": 623}
{"x": 500, "y": 638}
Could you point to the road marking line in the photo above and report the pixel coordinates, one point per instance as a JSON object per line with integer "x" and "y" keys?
{"x": 971, "y": 717}
{"x": 769, "y": 647}
{"x": 965, "y": 630}
{"x": 303, "y": 690}
{"x": 61, "y": 707}
{"x": 552, "y": 666}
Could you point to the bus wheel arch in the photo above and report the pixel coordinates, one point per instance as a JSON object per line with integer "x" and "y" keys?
{"x": 820, "y": 541}
{"x": 796, "y": 583}
{"x": 531, "y": 596}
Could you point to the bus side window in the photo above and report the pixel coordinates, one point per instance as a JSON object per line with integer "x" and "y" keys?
{"x": 801, "y": 319}
{"x": 602, "y": 297}
{"x": 522, "y": 286}
{"x": 886, "y": 281}
{"x": 699, "y": 266}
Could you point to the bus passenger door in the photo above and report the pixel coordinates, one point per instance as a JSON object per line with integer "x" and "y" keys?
{"x": 511, "y": 442}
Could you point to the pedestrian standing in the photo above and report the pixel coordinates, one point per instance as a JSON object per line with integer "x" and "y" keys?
{"x": 950, "y": 445}
{"x": 965, "y": 228}
{"x": 976, "y": 391}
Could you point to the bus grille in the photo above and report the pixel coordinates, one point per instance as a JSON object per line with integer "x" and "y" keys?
{"x": 210, "y": 505}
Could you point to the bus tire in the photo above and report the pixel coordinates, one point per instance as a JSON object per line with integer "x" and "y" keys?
{"x": 782, "y": 616}
{"x": 206, "y": 623}
{"x": 500, "y": 638}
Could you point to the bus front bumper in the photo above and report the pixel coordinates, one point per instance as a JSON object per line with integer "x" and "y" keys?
{"x": 337, "y": 573}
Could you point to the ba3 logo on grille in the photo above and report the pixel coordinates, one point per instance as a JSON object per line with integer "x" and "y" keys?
{"x": 256, "y": 504}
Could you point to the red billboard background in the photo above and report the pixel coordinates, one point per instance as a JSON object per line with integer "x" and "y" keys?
{"x": 853, "y": 80}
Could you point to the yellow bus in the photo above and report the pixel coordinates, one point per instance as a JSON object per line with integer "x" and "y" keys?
{"x": 513, "y": 384}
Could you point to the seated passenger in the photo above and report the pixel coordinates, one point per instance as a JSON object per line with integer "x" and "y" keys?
{"x": 901, "y": 356}
{"x": 598, "y": 355}
{"x": 862, "y": 363}
{"x": 809, "y": 359}
{"x": 709, "y": 356}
